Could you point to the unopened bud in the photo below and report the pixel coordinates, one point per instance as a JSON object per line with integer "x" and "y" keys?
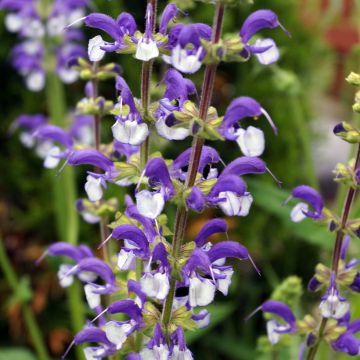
{"x": 353, "y": 79}
{"x": 86, "y": 74}
{"x": 347, "y": 132}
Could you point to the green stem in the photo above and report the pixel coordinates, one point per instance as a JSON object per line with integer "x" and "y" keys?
{"x": 337, "y": 251}
{"x": 64, "y": 186}
{"x": 103, "y": 227}
{"x": 304, "y": 139}
{"x": 64, "y": 190}
{"x": 344, "y": 218}
{"x": 146, "y": 71}
{"x": 197, "y": 145}
{"x": 31, "y": 324}
{"x": 313, "y": 350}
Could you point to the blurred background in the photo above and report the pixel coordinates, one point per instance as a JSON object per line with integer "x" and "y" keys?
{"x": 306, "y": 95}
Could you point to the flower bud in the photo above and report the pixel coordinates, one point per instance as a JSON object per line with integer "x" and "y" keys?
{"x": 347, "y": 132}
{"x": 332, "y": 331}
{"x": 85, "y": 74}
{"x": 289, "y": 291}
{"x": 353, "y": 79}
{"x": 308, "y": 324}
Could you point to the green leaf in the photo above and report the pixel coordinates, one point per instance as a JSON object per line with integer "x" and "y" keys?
{"x": 23, "y": 292}
{"x": 16, "y": 354}
{"x": 218, "y": 313}
{"x": 270, "y": 199}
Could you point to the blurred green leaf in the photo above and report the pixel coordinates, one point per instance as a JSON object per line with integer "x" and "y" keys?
{"x": 218, "y": 313}
{"x": 16, "y": 354}
{"x": 232, "y": 348}
{"x": 23, "y": 291}
{"x": 270, "y": 199}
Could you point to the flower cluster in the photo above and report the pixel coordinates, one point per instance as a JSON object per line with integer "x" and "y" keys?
{"x": 42, "y": 39}
{"x": 186, "y": 46}
{"x": 333, "y": 321}
{"x": 158, "y": 281}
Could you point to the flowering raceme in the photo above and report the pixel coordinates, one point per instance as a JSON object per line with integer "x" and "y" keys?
{"x": 37, "y": 25}
{"x": 333, "y": 321}
{"x": 157, "y": 279}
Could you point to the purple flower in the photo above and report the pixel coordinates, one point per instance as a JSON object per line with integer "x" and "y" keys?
{"x": 176, "y": 93}
{"x": 264, "y": 49}
{"x": 95, "y": 158}
{"x": 28, "y": 125}
{"x": 227, "y": 249}
{"x": 147, "y": 48}
{"x": 177, "y": 87}
{"x": 94, "y": 335}
{"x": 229, "y": 192}
{"x": 179, "y": 349}
{"x": 135, "y": 288}
{"x": 314, "y": 284}
{"x": 158, "y": 174}
{"x": 148, "y": 224}
{"x": 128, "y": 307}
{"x": 82, "y": 130}
{"x": 332, "y": 304}
{"x": 168, "y": 14}
{"x": 157, "y": 347}
{"x": 160, "y": 255}
{"x": 126, "y": 150}
{"x": 339, "y": 128}
{"x": 347, "y": 342}
{"x": 212, "y": 227}
{"x": 87, "y": 213}
{"x": 202, "y": 318}
{"x": 128, "y": 128}
{"x": 76, "y": 254}
{"x": 185, "y": 44}
{"x": 124, "y": 25}
{"x": 239, "y": 109}
{"x": 208, "y": 156}
{"x": 134, "y": 237}
{"x": 196, "y": 200}
{"x": 117, "y": 332}
{"x": 65, "y": 54}
{"x": 55, "y": 134}
{"x": 28, "y": 57}
{"x": 70, "y": 251}
{"x": 274, "y": 327}
{"x": 210, "y": 260}
{"x": 311, "y": 197}
{"x": 96, "y": 266}
{"x": 226, "y": 183}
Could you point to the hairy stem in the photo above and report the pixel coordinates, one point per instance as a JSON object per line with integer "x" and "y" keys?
{"x": 32, "y": 327}
{"x": 337, "y": 251}
{"x": 313, "y": 350}
{"x": 104, "y": 231}
{"x": 344, "y": 218}
{"x": 197, "y": 145}
{"x": 146, "y": 72}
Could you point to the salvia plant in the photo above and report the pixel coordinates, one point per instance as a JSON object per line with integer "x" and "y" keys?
{"x": 147, "y": 284}
{"x": 37, "y": 24}
{"x": 332, "y": 322}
